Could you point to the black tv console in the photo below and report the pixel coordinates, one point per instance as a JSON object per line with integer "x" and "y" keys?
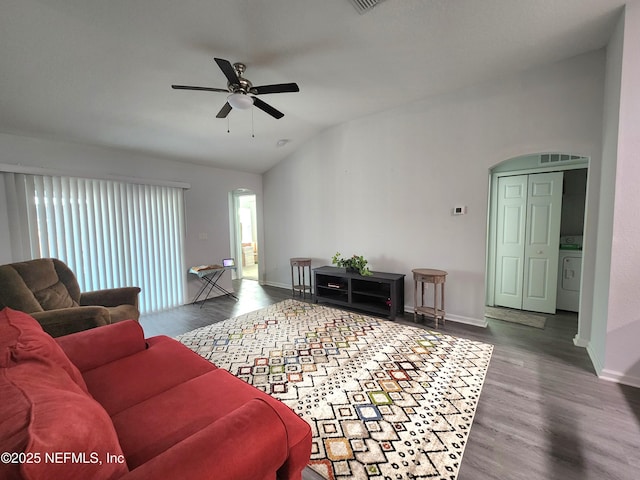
{"x": 379, "y": 293}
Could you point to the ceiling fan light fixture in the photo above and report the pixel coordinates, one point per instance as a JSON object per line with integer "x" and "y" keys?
{"x": 240, "y": 101}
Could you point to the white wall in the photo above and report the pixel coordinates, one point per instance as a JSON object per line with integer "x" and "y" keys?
{"x": 384, "y": 186}
{"x": 206, "y": 202}
{"x": 622, "y": 356}
{"x": 597, "y": 334}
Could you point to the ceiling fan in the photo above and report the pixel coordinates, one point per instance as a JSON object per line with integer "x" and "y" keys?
{"x": 242, "y": 90}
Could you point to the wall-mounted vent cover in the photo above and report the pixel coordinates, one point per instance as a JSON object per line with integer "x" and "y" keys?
{"x": 363, "y": 6}
{"x": 559, "y": 158}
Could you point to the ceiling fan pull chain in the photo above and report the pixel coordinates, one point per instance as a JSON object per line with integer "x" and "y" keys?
{"x": 252, "y": 135}
{"x": 228, "y": 128}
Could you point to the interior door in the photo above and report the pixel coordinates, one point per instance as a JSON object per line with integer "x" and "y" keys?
{"x": 510, "y": 239}
{"x": 544, "y": 206}
{"x": 527, "y": 241}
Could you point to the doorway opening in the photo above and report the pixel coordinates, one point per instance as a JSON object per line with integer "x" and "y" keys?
{"x": 244, "y": 234}
{"x": 536, "y": 211}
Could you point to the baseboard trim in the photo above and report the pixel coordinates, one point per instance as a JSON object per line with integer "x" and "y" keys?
{"x": 598, "y": 365}
{"x": 286, "y": 286}
{"x": 618, "y": 377}
{"x": 450, "y": 317}
{"x": 476, "y": 322}
{"x": 580, "y": 342}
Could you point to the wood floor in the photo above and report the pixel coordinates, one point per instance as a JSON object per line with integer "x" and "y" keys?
{"x": 543, "y": 413}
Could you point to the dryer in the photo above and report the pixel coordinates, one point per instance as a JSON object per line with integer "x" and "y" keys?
{"x": 569, "y": 273}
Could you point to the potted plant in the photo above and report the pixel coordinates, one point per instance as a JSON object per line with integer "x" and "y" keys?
{"x": 354, "y": 264}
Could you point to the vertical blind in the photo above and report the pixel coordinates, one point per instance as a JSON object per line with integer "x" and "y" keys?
{"x": 111, "y": 234}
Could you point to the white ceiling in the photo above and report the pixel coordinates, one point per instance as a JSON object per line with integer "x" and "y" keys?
{"x": 99, "y": 72}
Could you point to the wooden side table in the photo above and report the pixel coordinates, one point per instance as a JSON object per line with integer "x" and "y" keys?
{"x": 435, "y": 277}
{"x": 301, "y": 264}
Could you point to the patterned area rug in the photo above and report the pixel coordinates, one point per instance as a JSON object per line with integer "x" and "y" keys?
{"x": 384, "y": 400}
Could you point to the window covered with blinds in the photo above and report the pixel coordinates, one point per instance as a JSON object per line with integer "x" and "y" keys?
{"x": 110, "y": 233}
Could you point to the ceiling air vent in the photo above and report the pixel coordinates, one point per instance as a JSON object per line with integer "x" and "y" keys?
{"x": 363, "y": 6}
{"x": 559, "y": 158}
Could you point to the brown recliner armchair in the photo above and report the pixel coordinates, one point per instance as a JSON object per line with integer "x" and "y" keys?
{"x": 48, "y": 290}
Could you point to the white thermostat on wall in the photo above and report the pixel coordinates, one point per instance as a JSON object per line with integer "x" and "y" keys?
{"x": 459, "y": 210}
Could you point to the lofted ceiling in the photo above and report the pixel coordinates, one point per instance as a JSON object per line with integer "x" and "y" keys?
{"x": 99, "y": 72}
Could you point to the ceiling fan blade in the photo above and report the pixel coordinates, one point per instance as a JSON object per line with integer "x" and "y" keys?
{"x": 206, "y": 89}
{"x": 265, "y": 107}
{"x": 228, "y": 70}
{"x": 224, "y": 111}
{"x": 277, "y": 88}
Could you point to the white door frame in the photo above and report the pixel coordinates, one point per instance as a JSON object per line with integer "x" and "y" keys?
{"x": 234, "y": 230}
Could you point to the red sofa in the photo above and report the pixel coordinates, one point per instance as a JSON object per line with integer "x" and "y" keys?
{"x": 107, "y": 403}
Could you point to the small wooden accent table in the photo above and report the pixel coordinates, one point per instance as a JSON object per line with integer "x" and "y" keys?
{"x": 301, "y": 286}
{"x": 436, "y": 277}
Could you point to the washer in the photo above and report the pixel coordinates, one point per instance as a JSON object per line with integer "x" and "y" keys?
{"x": 569, "y": 273}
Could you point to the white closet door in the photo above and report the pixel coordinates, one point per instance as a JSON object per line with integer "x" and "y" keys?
{"x": 511, "y": 224}
{"x": 544, "y": 206}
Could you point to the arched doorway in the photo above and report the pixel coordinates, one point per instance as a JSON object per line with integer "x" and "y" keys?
{"x": 526, "y": 236}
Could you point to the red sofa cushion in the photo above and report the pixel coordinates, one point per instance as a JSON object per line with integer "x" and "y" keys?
{"x": 149, "y": 428}
{"x": 138, "y": 377}
{"x": 45, "y": 412}
{"x": 248, "y": 444}
{"x": 22, "y": 338}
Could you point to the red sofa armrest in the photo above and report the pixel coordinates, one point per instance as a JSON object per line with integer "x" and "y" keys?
{"x": 99, "y": 346}
{"x": 247, "y": 444}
